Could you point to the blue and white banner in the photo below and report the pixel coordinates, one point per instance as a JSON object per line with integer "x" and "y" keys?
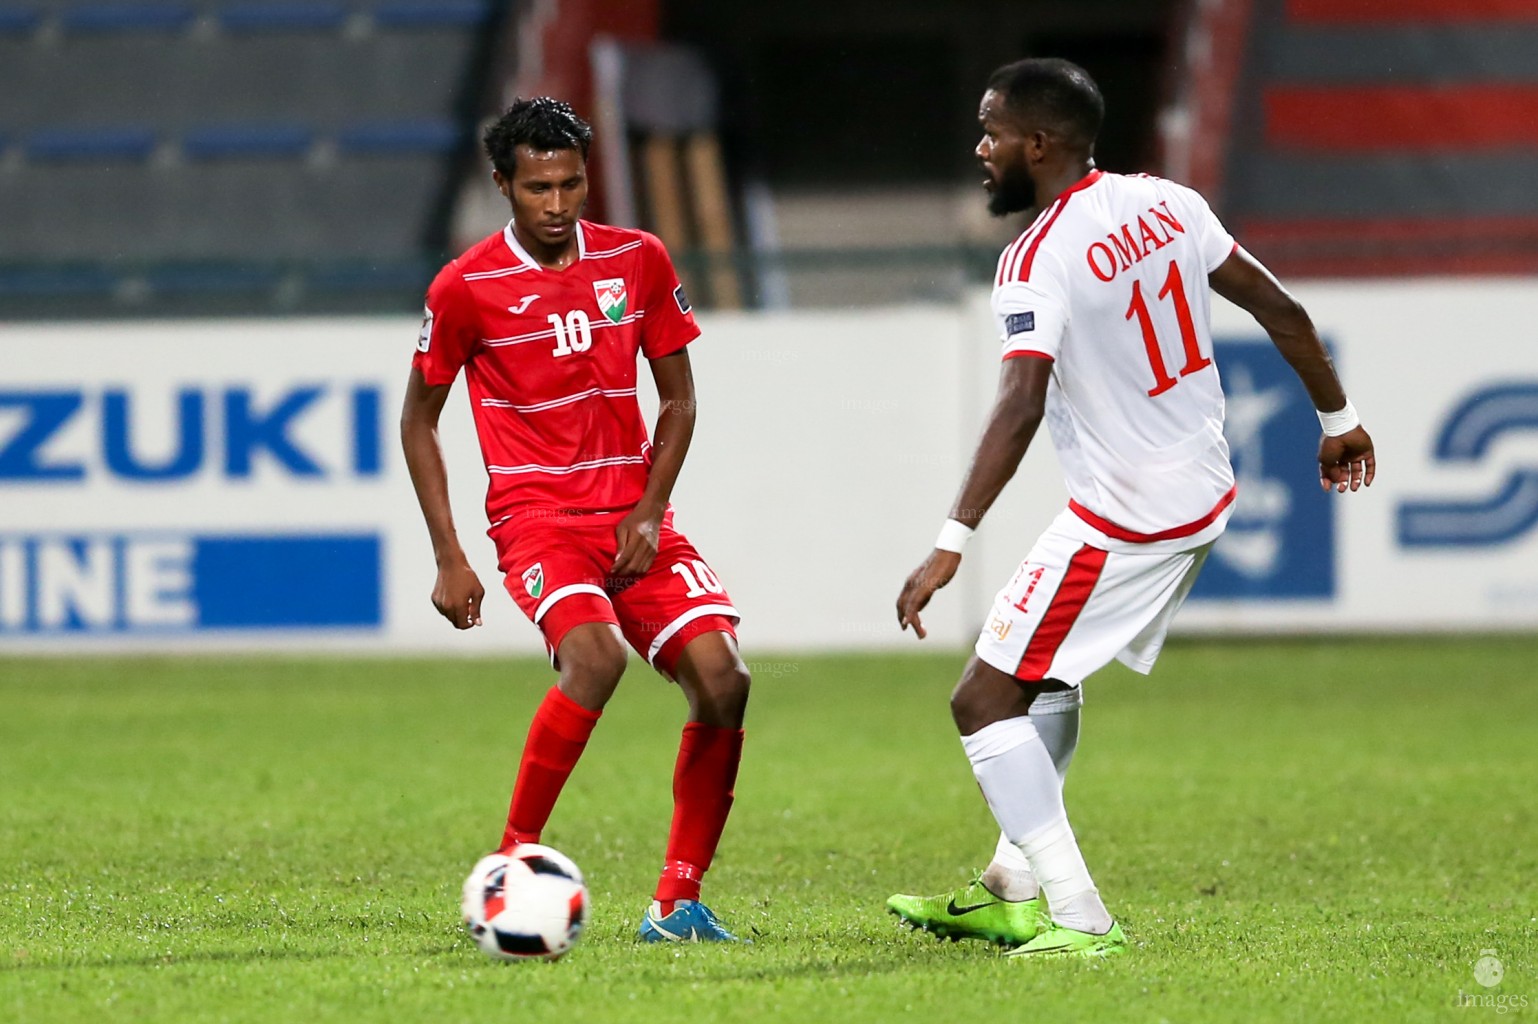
{"x": 229, "y": 484}
{"x": 1280, "y": 541}
{"x": 240, "y": 485}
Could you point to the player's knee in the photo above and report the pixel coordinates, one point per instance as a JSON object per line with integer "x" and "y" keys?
{"x": 967, "y": 709}
{"x": 591, "y": 669}
{"x": 718, "y": 689}
{"x": 984, "y": 696}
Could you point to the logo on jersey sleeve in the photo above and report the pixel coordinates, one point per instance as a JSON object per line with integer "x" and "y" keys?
{"x": 534, "y": 579}
{"x": 1019, "y": 323}
{"x": 425, "y": 335}
{"x": 682, "y": 299}
{"x": 612, "y": 298}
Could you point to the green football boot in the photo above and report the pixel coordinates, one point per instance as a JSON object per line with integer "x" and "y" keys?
{"x": 1057, "y": 941}
{"x": 972, "y": 912}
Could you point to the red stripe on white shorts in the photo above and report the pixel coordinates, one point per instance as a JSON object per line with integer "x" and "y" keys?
{"x": 1079, "y": 581}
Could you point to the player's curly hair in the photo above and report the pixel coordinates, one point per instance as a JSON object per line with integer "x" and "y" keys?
{"x": 543, "y": 123}
{"x": 1053, "y": 93}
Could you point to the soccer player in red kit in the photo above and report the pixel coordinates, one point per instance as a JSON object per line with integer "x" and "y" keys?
{"x": 546, "y": 318}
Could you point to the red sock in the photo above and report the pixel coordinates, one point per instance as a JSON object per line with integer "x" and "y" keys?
{"x": 703, "y": 778}
{"x": 557, "y": 735}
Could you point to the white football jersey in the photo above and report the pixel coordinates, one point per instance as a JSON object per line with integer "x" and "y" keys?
{"x": 1110, "y": 284}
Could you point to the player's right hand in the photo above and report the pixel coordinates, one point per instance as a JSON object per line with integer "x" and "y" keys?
{"x": 936, "y": 572}
{"x": 1346, "y": 461}
{"x": 457, "y": 595}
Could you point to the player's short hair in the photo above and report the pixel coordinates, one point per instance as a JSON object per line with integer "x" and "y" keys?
{"x": 542, "y": 123}
{"x": 1053, "y": 93}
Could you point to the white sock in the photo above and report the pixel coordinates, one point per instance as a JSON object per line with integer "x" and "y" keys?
{"x": 1059, "y": 866}
{"x": 1056, "y": 717}
{"x": 1008, "y": 876}
{"x": 1021, "y": 785}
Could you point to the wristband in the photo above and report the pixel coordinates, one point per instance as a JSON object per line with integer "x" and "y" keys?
{"x": 953, "y": 536}
{"x": 1341, "y": 421}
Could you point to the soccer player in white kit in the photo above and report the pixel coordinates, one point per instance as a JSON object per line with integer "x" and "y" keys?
{"x": 1103, "y": 308}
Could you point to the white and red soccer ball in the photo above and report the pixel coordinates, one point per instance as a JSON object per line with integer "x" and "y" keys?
{"x": 529, "y": 903}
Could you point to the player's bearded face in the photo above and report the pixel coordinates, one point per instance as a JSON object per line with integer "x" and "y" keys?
{"x": 1013, "y": 191}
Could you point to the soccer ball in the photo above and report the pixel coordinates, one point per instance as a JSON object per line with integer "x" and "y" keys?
{"x": 527, "y": 904}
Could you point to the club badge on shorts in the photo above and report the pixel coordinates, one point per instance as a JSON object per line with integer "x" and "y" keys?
{"x": 534, "y": 579}
{"x": 612, "y": 299}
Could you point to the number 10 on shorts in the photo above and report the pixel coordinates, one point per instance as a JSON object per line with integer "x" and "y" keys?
{"x": 700, "y": 579}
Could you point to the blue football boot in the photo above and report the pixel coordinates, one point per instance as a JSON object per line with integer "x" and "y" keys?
{"x": 690, "y": 921}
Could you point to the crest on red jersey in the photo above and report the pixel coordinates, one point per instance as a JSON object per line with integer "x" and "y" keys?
{"x": 534, "y": 579}
{"x": 612, "y": 298}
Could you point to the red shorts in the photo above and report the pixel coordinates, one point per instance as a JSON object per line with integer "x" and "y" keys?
{"x": 557, "y": 568}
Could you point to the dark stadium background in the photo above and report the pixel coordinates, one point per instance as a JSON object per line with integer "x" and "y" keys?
{"x": 171, "y": 157}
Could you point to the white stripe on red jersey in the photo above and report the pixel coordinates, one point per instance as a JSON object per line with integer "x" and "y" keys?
{"x": 550, "y": 359}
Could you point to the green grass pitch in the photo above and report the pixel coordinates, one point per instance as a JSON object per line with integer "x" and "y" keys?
{"x": 1328, "y": 830}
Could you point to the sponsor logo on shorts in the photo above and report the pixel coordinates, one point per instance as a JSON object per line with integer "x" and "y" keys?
{"x": 999, "y": 627}
{"x": 534, "y": 579}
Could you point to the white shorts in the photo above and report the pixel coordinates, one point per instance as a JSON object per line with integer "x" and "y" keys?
{"x": 1072, "y": 607}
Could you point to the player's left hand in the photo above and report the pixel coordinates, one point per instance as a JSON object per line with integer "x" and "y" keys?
{"x": 936, "y": 572}
{"x": 1347, "y": 461}
{"x": 637, "y": 537}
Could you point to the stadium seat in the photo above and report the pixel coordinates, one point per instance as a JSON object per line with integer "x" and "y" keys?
{"x": 203, "y": 277}
{"x": 431, "y": 13}
{"x": 115, "y": 144}
{"x": 283, "y": 17}
{"x": 18, "y": 21}
{"x": 399, "y": 137}
{"x": 127, "y": 17}
{"x": 199, "y": 154}
{"x": 55, "y": 282}
{"x": 247, "y": 140}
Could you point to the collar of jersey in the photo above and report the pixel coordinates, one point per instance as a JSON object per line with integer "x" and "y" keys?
{"x": 1078, "y": 186}
{"x": 523, "y": 257}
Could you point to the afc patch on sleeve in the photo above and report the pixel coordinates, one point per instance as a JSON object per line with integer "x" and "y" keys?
{"x": 425, "y": 335}
{"x": 682, "y": 299}
{"x": 1019, "y": 323}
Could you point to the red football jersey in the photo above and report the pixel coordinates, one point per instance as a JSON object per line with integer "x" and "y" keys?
{"x": 550, "y": 360}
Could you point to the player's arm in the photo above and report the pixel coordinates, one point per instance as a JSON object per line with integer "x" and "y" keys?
{"x": 637, "y": 534}
{"x": 457, "y": 593}
{"x": 1345, "y": 460}
{"x": 1017, "y": 412}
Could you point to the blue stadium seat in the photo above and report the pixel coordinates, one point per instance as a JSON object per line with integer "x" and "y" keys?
{"x": 316, "y": 16}
{"x": 247, "y": 140}
{"x": 58, "y": 145}
{"x": 18, "y": 21}
{"x": 431, "y": 13}
{"x": 180, "y": 279}
{"x": 30, "y": 282}
{"x": 388, "y": 275}
{"x": 399, "y": 138}
{"x": 128, "y": 17}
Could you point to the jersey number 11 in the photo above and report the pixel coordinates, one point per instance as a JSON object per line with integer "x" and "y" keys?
{"x": 1175, "y": 290}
